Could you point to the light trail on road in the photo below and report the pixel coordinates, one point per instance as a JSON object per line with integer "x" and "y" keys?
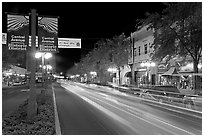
{"x": 135, "y": 116}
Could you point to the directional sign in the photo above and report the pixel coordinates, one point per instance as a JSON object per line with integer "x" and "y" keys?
{"x": 62, "y": 42}
{"x": 69, "y": 43}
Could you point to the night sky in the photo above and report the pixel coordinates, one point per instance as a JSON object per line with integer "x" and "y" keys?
{"x": 88, "y": 21}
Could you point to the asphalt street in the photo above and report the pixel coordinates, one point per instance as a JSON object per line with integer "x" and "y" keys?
{"x": 12, "y": 98}
{"x": 91, "y": 110}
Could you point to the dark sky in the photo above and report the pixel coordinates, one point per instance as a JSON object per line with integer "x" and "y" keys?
{"x": 88, "y": 21}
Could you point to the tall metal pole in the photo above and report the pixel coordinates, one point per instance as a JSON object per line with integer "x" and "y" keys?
{"x": 43, "y": 72}
{"x": 132, "y": 66}
{"x": 32, "y": 105}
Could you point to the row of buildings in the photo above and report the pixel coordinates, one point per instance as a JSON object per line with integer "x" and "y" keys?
{"x": 145, "y": 72}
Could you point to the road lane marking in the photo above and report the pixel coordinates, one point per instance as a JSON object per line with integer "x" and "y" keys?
{"x": 106, "y": 111}
{"x": 103, "y": 94}
{"x": 146, "y": 120}
{"x": 25, "y": 90}
{"x": 141, "y": 118}
{"x": 175, "y": 110}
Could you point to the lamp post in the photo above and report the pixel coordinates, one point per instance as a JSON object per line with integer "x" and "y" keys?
{"x": 44, "y": 56}
{"x": 148, "y": 65}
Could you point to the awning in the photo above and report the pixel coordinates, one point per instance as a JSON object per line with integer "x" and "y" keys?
{"x": 128, "y": 74}
{"x": 170, "y": 72}
{"x": 188, "y": 74}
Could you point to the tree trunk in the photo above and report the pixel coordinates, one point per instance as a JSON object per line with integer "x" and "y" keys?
{"x": 197, "y": 80}
{"x": 119, "y": 82}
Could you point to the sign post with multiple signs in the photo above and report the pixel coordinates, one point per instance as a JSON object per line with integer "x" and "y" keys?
{"x": 32, "y": 104}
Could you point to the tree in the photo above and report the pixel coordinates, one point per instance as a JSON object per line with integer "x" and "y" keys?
{"x": 109, "y": 53}
{"x": 119, "y": 51}
{"x": 178, "y": 31}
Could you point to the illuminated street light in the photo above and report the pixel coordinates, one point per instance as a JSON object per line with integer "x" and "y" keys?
{"x": 44, "y": 67}
{"x": 113, "y": 70}
{"x": 152, "y": 64}
{"x": 49, "y": 67}
{"x": 47, "y": 55}
{"x": 93, "y": 73}
{"x": 38, "y": 55}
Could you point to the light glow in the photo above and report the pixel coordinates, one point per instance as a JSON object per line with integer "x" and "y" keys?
{"x": 47, "y": 55}
{"x": 38, "y": 55}
{"x": 113, "y": 70}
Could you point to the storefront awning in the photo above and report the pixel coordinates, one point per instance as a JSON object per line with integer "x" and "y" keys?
{"x": 128, "y": 74}
{"x": 170, "y": 72}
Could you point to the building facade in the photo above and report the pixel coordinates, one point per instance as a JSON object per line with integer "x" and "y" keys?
{"x": 145, "y": 71}
{"x": 177, "y": 71}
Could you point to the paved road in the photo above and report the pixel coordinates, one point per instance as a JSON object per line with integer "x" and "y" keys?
{"x": 86, "y": 110}
{"x": 12, "y": 97}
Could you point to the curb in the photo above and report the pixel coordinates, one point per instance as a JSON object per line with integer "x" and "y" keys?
{"x": 57, "y": 124}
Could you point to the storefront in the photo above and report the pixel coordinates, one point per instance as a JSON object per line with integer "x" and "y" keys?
{"x": 170, "y": 77}
{"x": 182, "y": 77}
{"x": 145, "y": 76}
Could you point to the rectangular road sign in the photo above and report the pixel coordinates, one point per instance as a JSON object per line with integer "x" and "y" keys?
{"x": 62, "y": 42}
{"x": 69, "y": 43}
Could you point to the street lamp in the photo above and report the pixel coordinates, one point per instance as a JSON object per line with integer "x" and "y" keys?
{"x": 112, "y": 70}
{"x": 47, "y": 55}
{"x": 147, "y": 65}
{"x": 43, "y": 55}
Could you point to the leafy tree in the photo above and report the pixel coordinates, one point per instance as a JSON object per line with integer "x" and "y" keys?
{"x": 178, "y": 31}
{"x": 109, "y": 53}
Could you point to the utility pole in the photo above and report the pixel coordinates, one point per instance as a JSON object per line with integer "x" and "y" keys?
{"x": 32, "y": 105}
{"x": 133, "y": 56}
